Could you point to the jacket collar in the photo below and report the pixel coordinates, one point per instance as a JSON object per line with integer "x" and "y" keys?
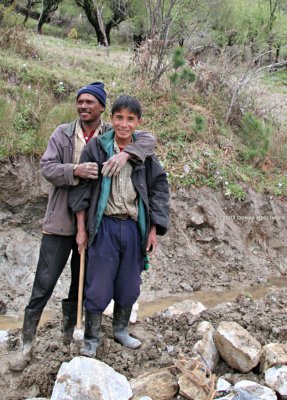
{"x": 107, "y": 140}
{"x": 69, "y": 129}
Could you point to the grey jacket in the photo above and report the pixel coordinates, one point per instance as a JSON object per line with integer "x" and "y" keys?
{"x": 57, "y": 167}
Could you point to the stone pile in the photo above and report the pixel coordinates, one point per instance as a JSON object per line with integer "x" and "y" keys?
{"x": 193, "y": 379}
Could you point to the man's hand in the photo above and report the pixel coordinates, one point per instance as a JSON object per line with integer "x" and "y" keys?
{"x": 82, "y": 240}
{"x": 87, "y": 170}
{"x": 151, "y": 241}
{"x": 115, "y": 164}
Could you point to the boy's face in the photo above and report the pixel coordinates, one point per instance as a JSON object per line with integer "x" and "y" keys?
{"x": 124, "y": 123}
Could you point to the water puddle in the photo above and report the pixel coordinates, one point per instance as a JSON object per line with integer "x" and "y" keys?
{"x": 16, "y": 321}
{"x": 212, "y": 299}
{"x": 208, "y": 299}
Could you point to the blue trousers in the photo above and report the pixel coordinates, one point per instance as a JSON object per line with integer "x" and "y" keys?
{"x": 114, "y": 265}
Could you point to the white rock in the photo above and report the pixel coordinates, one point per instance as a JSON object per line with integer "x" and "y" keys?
{"x": 262, "y": 392}
{"x": 186, "y": 306}
{"x": 206, "y": 348}
{"x": 85, "y": 378}
{"x": 133, "y": 318}
{"x": 222, "y": 385}
{"x": 276, "y": 378}
{"x": 273, "y": 354}
{"x": 3, "y": 336}
{"x": 203, "y": 327}
{"x": 237, "y": 347}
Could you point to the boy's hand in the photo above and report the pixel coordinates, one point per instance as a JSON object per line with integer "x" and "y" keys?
{"x": 87, "y": 170}
{"x": 115, "y": 164}
{"x": 151, "y": 241}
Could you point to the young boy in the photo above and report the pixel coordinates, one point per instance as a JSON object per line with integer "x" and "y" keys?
{"x": 119, "y": 219}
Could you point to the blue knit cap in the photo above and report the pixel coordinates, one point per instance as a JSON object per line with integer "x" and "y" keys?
{"x": 97, "y": 90}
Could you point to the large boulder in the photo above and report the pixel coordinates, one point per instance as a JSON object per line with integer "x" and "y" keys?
{"x": 160, "y": 385}
{"x": 88, "y": 379}
{"x": 237, "y": 347}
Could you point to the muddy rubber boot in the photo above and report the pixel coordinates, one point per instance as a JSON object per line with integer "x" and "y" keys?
{"x": 120, "y": 327}
{"x": 30, "y": 324}
{"x": 92, "y": 334}
{"x": 69, "y": 310}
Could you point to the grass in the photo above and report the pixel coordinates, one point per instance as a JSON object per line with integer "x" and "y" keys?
{"x": 195, "y": 145}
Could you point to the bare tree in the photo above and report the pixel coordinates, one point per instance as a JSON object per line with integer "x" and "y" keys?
{"x": 273, "y": 5}
{"x": 120, "y": 11}
{"x": 27, "y": 11}
{"x": 48, "y": 8}
{"x": 169, "y": 23}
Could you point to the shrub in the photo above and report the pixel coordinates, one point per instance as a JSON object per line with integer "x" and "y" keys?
{"x": 16, "y": 39}
{"x": 255, "y": 134}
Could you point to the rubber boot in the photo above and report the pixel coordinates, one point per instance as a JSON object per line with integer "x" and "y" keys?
{"x": 30, "y": 324}
{"x": 92, "y": 334}
{"x": 120, "y": 327}
{"x": 69, "y": 310}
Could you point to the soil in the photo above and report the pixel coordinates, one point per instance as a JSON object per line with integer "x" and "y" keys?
{"x": 214, "y": 244}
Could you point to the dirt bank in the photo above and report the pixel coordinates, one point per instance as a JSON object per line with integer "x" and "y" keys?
{"x": 213, "y": 244}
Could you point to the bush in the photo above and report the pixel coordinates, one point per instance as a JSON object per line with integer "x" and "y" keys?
{"x": 256, "y": 135}
{"x": 16, "y": 39}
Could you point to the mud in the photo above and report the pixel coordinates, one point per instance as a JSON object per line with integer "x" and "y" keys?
{"x": 214, "y": 245}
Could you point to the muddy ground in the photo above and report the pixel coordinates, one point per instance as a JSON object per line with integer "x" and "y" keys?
{"x": 214, "y": 244}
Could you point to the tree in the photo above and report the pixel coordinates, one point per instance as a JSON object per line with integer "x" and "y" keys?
{"x": 48, "y": 7}
{"x": 259, "y": 25}
{"x": 117, "y": 10}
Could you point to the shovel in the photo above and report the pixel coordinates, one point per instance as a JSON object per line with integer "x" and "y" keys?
{"x": 78, "y": 334}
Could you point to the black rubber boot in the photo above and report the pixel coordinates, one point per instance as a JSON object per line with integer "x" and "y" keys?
{"x": 120, "y": 327}
{"x": 30, "y": 324}
{"x": 69, "y": 310}
{"x": 92, "y": 334}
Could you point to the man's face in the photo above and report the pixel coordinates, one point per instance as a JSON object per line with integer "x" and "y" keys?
{"x": 125, "y": 123}
{"x": 89, "y": 108}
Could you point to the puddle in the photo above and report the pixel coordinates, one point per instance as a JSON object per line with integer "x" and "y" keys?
{"x": 208, "y": 299}
{"x": 15, "y": 321}
{"x": 212, "y": 299}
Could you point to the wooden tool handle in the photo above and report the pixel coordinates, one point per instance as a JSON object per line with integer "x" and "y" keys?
{"x": 81, "y": 287}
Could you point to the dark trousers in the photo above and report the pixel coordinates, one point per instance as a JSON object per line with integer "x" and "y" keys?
{"x": 54, "y": 253}
{"x": 115, "y": 263}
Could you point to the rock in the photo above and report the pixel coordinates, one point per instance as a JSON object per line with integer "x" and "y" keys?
{"x": 3, "y": 336}
{"x": 206, "y": 347}
{"x": 186, "y": 306}
{"x": 87, "y": 379}
{"x": 222, "y": 385}
{"x": 110, "y": 309}
{"x": 273, "y": 354}
{"x": 244, "y": 395}
{"x": 276, "y": 378}
{"x": 161, "y": 385}
{"x": 237, "y": 347}
{"x": 262, "y": 392}
{"x": 196, "y": 216}
{"x": 203, "y": 327}
{"x": 145, "y": 398}
{"x": 195, "y": 381}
